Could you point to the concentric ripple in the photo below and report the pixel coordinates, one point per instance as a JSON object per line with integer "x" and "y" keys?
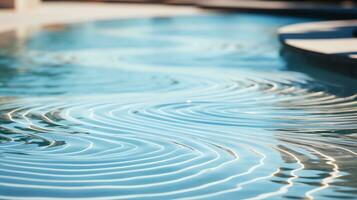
{"x": 172, "y": 108}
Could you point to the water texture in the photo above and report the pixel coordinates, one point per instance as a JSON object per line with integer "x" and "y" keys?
{"x": 201, "y": 107}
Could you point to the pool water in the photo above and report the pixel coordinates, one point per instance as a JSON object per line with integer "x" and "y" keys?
{"x": 196, "y": 107}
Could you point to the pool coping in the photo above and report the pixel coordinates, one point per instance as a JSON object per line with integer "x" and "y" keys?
{"x": 332, "y": 43}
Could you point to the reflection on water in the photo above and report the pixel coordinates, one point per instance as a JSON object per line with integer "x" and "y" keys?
{"x": 172, "y": 108}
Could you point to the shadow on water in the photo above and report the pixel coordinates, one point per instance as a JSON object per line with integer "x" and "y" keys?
{"x": 337, "y": 78}
{"x": 335, "y": 148}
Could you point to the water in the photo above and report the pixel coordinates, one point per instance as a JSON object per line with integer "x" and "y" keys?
{"x": 201, "y": 107}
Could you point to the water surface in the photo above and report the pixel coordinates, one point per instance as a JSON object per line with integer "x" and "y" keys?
{"x": 200, "y": 107}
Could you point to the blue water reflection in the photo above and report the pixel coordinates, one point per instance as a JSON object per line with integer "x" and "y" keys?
{"x": 198, "y": 107}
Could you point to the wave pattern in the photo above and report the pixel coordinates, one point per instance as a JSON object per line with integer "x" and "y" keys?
{"x": 163, "y": 127}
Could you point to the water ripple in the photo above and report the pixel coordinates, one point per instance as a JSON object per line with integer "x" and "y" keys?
{"x": 99, "y": 120}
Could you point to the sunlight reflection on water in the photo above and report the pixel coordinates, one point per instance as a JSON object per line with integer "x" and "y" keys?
{"x": 197, "y": 107}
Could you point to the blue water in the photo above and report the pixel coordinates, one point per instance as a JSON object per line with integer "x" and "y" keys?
{"x": 199, "y": 107}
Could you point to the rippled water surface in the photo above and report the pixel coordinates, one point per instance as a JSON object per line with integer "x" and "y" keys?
{"x": 201, "y": 107}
